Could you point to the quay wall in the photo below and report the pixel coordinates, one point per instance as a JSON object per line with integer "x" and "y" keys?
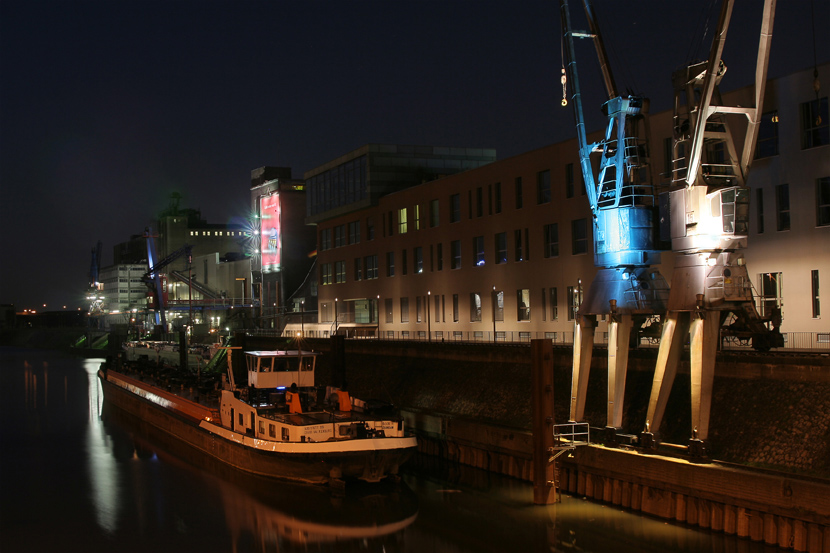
{"x": 770, "y": 416}
{"x": 770, "y": 412}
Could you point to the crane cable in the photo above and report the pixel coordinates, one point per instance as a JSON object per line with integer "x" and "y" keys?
{"x": 816, "y": 82}
{"x": 564, "y": 78}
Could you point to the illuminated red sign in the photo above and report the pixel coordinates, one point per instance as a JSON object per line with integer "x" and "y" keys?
{"x": 271, "y": 239}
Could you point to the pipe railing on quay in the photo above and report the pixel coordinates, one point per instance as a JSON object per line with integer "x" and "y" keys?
{"x": 793, "y": 341}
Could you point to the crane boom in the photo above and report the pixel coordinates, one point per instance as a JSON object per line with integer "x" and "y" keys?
{"x": 626, "y": 288}
{"x": 708, "y": 218}
{"x": 153, "y": 277}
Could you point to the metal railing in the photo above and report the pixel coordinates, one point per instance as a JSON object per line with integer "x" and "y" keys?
{"x": 571, "y": 434}
{"x": 807, "y": 341}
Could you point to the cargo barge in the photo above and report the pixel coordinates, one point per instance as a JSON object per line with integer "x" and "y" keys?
{"x": 280, "y": 425}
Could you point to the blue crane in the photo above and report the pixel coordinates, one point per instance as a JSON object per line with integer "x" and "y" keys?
{"x": 616, "y": 172}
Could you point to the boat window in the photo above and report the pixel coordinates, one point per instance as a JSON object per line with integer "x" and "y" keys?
{"x": 272, "y": 431}
{"x": 261, "y": 427}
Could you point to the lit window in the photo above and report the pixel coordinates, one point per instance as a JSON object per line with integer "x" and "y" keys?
{"x": 815, "y": 124}
{"x": 402, "y": 226}
{"x": 498, "y": 305}
{"x": 475, "y": 307}
{"x": 767, "y": 144}
{"x": 434, "y": 214}
{"x": 771, "y": 291}
{"x": 523, "y": 304}
{"x": 478, "y": 251}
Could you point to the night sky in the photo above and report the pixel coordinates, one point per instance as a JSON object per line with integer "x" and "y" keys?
{"x": 106, "y": 108}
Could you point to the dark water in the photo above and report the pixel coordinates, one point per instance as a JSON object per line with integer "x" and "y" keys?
{"x": 74, "y": 477}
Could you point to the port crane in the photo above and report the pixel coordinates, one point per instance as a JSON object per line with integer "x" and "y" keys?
{"x": 628, "y": 289}
{"x": 708, "y": 218}
{"x": 96, "y": 301}
{"x": 153, "y": 277}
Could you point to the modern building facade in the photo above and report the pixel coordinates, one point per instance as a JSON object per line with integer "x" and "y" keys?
{"x": 358, "y": 180}
{"x": 121, "y": 288}
{"x": 284, "y": 261}
{"x": 505, "y": 251}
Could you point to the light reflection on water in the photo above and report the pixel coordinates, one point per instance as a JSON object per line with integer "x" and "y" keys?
{"x": 105, "y": 485}
{"x": 103, "y": 472}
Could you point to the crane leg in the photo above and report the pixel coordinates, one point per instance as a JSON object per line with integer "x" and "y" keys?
{"x": 703, "y": 348}
{"x": 583, "y": 350}
{"x": 618, "y": 334}
{"x": 671, "y": 346}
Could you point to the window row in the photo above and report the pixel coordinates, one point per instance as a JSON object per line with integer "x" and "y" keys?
{"x": 442, "y": 308}
{"x": 399, "y": 264}
{"x": 343, "y": 235}
{"x": 782, "y": 205}
{"x": 216, "y": 233}
{"x": 408, "y": 219}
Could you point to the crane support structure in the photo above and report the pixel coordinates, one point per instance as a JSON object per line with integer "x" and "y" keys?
{"x": 153, "y": 275}
{"x": 708, "y": 213}
{"x": 626, "y": 289}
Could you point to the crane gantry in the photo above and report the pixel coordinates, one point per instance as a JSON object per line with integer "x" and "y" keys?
{"x": 627, "y": 288}
{"x": 705, "y": 210}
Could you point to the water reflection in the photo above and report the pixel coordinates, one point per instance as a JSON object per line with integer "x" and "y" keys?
{"x": 104, "y": 483}
{"x": 464, "y": 509}
{"x": 103, "y": 472}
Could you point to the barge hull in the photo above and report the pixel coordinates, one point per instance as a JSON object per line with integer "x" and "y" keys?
{"x": 314, "y": 468}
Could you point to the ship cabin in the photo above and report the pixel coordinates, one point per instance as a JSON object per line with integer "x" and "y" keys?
{"x": 281, "y": 369}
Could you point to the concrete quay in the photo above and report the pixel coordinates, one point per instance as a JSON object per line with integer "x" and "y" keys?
{"x": 470, "y": 404}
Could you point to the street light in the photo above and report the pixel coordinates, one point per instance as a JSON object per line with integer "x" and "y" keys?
{"x": 429, "y": 321}
{"x": 494, "y": 313}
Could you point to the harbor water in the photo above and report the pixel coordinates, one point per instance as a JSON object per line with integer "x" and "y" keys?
{"x": 75, "y": 476}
